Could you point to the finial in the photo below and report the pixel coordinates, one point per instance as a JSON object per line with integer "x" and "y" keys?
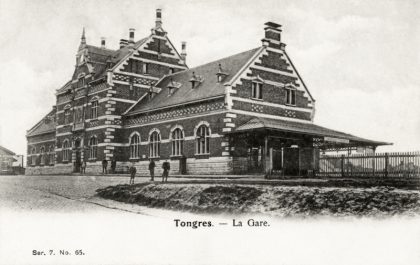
{"x": 83, "y": 36}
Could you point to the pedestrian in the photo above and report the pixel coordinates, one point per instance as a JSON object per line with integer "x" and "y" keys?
{"x": 113, "y": 166}
{"x": 83, "y": 167}
{"x": 133, "y": 171}
{"x": 104, "y": 166}
{"x": 166, "y": 167}
{"x": 152, "y": 166}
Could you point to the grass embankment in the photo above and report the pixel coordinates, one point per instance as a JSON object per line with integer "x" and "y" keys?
{"x": 267, "y": 199}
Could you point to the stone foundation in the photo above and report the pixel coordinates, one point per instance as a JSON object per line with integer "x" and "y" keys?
{"x": 205, "y": 166}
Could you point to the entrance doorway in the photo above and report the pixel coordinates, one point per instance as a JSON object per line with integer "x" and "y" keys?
{"x": 78, "y": 159}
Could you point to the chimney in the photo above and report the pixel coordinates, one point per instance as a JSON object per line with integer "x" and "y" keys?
{"x": 103, "y": 43}
{"x": 184, "y": 51}
{"x": 272, "y": 34}
{"x": 158, "y": 18}
{"x": 131, "y": 36}
{"x": 123, "y": 43}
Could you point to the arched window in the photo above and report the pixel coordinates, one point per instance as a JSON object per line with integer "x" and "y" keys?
{"x": 177, "y": 142}
{"x": 33, "y": 157}
{"x": 67, "y": 114}
{"x": 66, "y": 150}
{"x": 51, "y": 155}
{"x": 94, "y": 109}
{"x": 93, "y": 146}
{"x": 135, "y": 146}
{"x": 202, "y": 138}
{"x": 154, "y": 144}
{"x": 42, "y": 151}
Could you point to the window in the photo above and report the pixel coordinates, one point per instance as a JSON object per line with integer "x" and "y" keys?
{"x": 257, "y": 90}
{"x": 154, "y": 144}
{"x": 33, "y": 157}
{"x": 219, "y": 78}
{"x": 94, "y": 109}
{"x": 66, "y": 150}
{"x": 290, "y": 96}
{"x": 177, "y": 142}
{"x": 134, "y": 66}
{"x": 51, "y": 155}
{"x": 135, "y": 146}
{"x": 81, "y": 82}
{"x": 171, "y": 70}
{"x": 42, "y": 151}
{"x": 66, "y": 116}
{"x": 202, "y": 138}
{"x": 145, "y": 68}
{"x": 93, "y": 146}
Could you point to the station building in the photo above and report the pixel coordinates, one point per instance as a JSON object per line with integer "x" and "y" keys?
{"x": 248, "y": 113}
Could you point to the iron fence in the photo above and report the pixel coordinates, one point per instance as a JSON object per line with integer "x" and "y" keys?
{"x": 400, "y": 165}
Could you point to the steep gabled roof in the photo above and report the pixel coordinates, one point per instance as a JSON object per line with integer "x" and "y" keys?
{"x": 45, "y": 125}
{"x": 6, "y": 151}
{"x": 207, "y": 84}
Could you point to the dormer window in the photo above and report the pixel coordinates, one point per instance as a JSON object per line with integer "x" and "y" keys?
{"x": 221, "y": 74}
{"x": 81, "y": 81}
{"x": 256, "y": 92}
{"x": 195, "y": 80}
{"x": 290, "y": 95}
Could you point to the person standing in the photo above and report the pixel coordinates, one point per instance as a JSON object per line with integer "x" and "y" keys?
{"x": 113, "y": 166}
{"x": 152, "y": 166}
{"x": 104, "y": 166}
{"x": 166, "y": 167}
{"x": 83, "y": 167}
{"x": 133, "y": 171}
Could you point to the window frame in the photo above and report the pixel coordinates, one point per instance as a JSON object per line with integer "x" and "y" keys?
{"x": 154, "y": 144}
{"x": 290, "y": 96}
{"x": 177, "y": 142}
{"x": 135, "y": 146}
{"x": 93, "y": 148}
{"x": 257, "y": 90}
{"x": 42, "y": 156}
{"x": 145, "y": 68}
{"x": 67, "y": 115}
{"x": 33, "y": 157}
{"x": 51, "y": 155}
{"x": 202, "y": 136}
{"x": 94, "y": 109}
{"x": 66, "y": 150}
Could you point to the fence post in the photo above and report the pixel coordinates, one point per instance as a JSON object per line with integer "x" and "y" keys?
{"x": 342, "y": 165}
{"x": 386, "y": 164}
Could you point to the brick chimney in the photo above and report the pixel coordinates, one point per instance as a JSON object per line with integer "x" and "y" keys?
{"x": 103, "y": 43}
{"x": 272, "y": 36}
{"x": 131, "y": 36}
{"x": 184, "y": 52}
{"x": 158, "y": 18}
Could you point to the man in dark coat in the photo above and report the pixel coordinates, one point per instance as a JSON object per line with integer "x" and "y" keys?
{"x": 166, "y": 167}
{"x": 133, "y": 171}
{"x": 104, "y": 166}
{"x": 152, "y": 166}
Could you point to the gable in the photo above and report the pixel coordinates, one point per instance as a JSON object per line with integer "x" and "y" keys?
{"x": 46, "y": 125}
{"x": 276, "y": 64}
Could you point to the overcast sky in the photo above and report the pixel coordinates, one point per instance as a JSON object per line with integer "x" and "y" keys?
{"x": 359, "y": 59}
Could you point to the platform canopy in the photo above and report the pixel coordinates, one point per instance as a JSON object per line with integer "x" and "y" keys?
{"x": 322, "y": 137}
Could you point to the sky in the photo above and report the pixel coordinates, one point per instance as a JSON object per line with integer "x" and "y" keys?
{"x": 359, "y": 59}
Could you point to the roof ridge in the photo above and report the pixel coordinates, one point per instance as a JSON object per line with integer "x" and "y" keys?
{"x": 212, "y": 62}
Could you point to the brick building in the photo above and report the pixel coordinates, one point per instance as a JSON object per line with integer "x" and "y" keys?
{"x": 6, "y": 160}
{"x": 247, "y": 113}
